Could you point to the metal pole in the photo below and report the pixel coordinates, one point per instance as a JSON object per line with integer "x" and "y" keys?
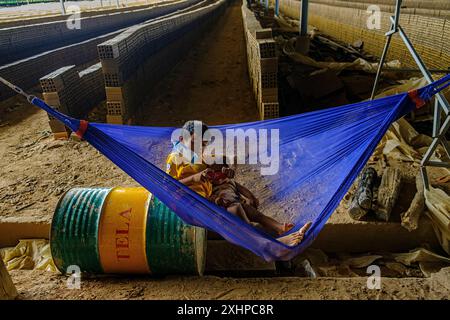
{"x": 380, "y": 66}
{"x": 63, "y": 9}
{"x": 277, "y": 7}
{"x": 439, "y": 130}
{"x": 304, "y": 18}
{"x": 437, "y": 118}
{"x": 398, "y": 6}
{"x": 394, "y": 29}
{"x": 266, "y": 4}
{"x": 412, "y": 70}
{"x": 444, "y": 103}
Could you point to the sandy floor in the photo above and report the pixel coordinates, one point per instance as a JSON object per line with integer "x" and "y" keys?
{"x": 38, "y": 169}
{"x": 211, "y": 84}
{"x": 45, "y": 285}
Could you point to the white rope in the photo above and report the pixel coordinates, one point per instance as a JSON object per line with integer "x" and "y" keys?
{"x": 16, "y": 89}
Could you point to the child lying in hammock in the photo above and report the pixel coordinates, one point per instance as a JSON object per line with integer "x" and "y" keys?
{"x": 241, "y": 202}
{"x": 198, "y": 177}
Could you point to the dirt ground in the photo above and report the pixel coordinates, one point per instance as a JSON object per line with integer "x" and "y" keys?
{"x": 44, "y": 285}
{"x": 210, "y": 84}
{"x": 39, "y": 169}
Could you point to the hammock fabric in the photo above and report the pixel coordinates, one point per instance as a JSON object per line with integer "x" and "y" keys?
{"x": 321, "y": 154}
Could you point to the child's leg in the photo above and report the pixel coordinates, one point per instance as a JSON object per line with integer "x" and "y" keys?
{"x": 295, "y": 238}
{"x": 268, "y": 223}
{"x": 237, "y": 210}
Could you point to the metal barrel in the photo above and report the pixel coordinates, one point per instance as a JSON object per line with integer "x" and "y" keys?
{"x": 123, "y": 230}
{"x": 74, "y": 230}
{"x": 172, "y": 245}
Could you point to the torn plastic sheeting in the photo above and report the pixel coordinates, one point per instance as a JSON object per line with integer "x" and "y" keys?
{"x": 420, "y": 255}
{"x": 358, "y": 64}
{"x": 438, "y": 204}
{"x": 28, "y": 254}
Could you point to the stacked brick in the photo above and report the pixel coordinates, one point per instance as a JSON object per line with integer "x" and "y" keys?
{"x": 23, "y": 41}
{"x": 26, "y": 73}
{"x": 72, "y": 93}
{"x": 425, "y": 22}
{"x": 136, "y": 59}
{"x": 262, "y": 65}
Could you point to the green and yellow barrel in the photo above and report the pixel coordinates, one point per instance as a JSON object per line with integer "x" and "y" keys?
{"x": 123, "y": 230}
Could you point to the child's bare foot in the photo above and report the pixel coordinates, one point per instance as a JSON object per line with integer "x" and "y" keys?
{"x": 295, "y": 237}
{"x": 285, "y": 227}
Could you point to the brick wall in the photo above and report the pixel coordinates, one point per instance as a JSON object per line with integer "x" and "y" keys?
{"x": 136, "y": 59}
{"x": 427, "y": 23}
{"x": 73, "y": 93}
{"x": 23, "y": 41}
{"x": 262, "y": 64}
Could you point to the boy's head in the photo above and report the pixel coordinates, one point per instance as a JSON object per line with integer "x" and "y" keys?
{"x": 196, "y": 130}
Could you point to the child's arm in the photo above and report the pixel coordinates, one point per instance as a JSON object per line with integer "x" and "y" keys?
{"x": 248, "y": 194}
{"x": 171, "y": 169}
{"x": 198, "y": 177}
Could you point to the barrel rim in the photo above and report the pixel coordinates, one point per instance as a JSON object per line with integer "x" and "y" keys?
{"x": 52, "y": 225}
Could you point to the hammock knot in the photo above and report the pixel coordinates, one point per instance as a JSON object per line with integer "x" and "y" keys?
{"x": 82, "y": 129}
{"x": 416, "y": 98}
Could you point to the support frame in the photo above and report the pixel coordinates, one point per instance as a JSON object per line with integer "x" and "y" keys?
{"x": 441, "y": 106}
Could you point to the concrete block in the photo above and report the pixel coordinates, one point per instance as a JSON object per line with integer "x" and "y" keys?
{"x": 52, "y": 99}
{"x": 114, "y": 119}
{"x": 14, "y": 229}
{"x": 114, "y": 93}
{"x": 263, "y": 33}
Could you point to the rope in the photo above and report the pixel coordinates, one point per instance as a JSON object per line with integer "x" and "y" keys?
{"x": 17, "y": 89}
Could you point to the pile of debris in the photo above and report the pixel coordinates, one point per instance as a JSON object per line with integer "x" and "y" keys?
{"x": 380, "y": 184}
{"x": 330, "y": 73}
{"x": 419, "y": 262}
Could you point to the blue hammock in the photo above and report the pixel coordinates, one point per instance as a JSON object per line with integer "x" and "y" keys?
{"x": 321, "y": 154}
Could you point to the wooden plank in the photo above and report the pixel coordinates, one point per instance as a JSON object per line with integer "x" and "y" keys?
{"x": 410, "y": 218}
{"x": 388, "y": 192}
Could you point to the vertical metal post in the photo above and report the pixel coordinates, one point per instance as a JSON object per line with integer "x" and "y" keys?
{"x": 277, "y": 7}
{"x": 380, "y": 66}
{"x": 266, "y": 4}
{"x": 394, "y": 29}
{"x": 304, "y": 18}
{"x": 63, "y": 9}
{"x": 437, "y": 118}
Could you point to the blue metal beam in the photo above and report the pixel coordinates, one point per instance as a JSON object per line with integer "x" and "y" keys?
{"x": 304, "y": 17}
